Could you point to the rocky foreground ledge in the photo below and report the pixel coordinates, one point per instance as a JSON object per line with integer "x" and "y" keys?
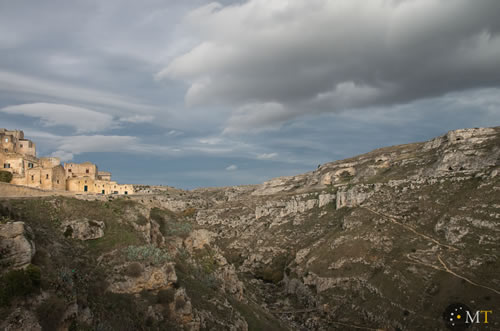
{"x": 385, "y": 240}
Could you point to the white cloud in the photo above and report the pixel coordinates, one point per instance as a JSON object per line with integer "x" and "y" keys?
{"x": 210, "y": 141}
{"x": 13, "y": 82}
{"x": 136, "y": 119}
{"x": 267, "y": 156}
{"x": 82, "y": 119}
{"x": 232, "y": 167}
{"x": 174, "y": 133}
{"x": 96, "y": 143}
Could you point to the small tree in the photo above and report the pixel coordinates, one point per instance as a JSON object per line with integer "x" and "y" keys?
{"x": 5, "y": 176}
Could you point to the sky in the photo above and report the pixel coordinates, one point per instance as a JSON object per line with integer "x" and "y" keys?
{"x": 195, "y": 93}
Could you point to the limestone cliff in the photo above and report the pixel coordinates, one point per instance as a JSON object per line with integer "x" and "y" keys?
{"x": 385, "y": 240}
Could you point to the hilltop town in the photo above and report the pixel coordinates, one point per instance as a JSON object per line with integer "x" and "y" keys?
{"x": 18, "y": 156}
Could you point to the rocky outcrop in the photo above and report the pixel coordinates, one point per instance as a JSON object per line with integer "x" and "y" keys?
{"x": 83, "y": 229}
{"x": 353, "y": 197}
{"x": 17, "y": 246}
{"x": 460, "y": 150}
{"x": 341, "y": 172}
{"x": 295, "y": 204}
{"x": 149, "y": 278}
{"x": 198, "y": 239}
{"x": 281, "y": 184}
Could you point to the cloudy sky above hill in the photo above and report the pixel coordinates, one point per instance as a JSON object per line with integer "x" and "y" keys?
{"x": 196, "y": 93}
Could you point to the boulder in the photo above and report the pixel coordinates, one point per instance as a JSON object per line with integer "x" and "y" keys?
{"x": 83, "y": 229}
{"x": 17, "y": 246}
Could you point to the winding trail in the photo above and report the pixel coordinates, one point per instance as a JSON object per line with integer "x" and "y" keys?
{"x": 393, "y": 220}
{"x": 416, "y": 261}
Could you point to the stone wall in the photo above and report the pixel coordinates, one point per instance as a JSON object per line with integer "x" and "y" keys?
{"x": 10, "y": 190}
{"x": 25, "y": 147}
{"x": 85, "y": 169}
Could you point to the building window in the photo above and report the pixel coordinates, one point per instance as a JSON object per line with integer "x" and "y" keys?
{"x": 6, "y": 140}
{"x": 21, "y": 145}
{"x": 6, "y": 165}
{"x": 6, "y": 150}
{"x": 87, "y": 171}
{"x": 30, "y": 165}
{"x": 58, "y": 181}
{"x": 47, "y": 176}
{"x": 32, "y": 177}
{"x": 69, "y": 170}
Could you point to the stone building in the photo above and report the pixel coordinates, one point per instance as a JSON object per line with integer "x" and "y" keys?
{"x": 86, "y": 177}
{"x": 18, "y": 156}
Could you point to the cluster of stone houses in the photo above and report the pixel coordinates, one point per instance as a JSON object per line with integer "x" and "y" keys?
{"x": 18, "y": 156}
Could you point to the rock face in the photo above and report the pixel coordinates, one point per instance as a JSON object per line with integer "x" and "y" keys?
{"x": 353, "y": 197}
{"x": 357, "y": 233}
{"x": 461, "y": 150}
{"x": 150, "y": 278}
{"x": 17, "y": 246}
{"x": 83, "y": 229}
{"x": 198, "y": 239}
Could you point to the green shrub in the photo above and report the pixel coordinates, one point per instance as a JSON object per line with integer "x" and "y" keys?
{"x": 274, "y": 272}
{"x": 50, "y": 313}
{"x": 134, "y": 270}
{"x": 148, "y": 253}
{"x": 16, "y": 283}
{"x": 35, "y": 274}
{"x": 5, "y": 176}
{"x": 169, "y": 222}
{"x": 141, "y": 220}
{"x": 165, "y": 296}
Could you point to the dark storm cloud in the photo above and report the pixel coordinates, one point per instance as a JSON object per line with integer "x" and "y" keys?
{"x": 315, "y": 56}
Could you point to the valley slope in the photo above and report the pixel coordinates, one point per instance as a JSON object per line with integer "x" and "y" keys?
{"x": 385, "y": 240}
